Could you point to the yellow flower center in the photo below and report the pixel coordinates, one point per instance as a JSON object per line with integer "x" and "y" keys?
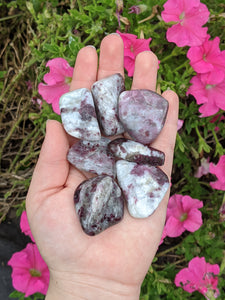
{"x": 35, "y": 273}
{"x": 68, "y": 80}
{"x": 183, "y": 217}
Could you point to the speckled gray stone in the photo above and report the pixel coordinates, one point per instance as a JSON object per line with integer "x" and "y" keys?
{"x": 99, "y": 204}
{"x": 143, "y": 187}
{"x": 92, "y": 157}
{"x": 78, "y": 115}
{"x": 105, "y": 93}
{"x": 143, "y": 114}
{"x": 136, "y": 152}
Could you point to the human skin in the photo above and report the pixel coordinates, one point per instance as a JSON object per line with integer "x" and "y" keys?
{"x": 113, "y": 264}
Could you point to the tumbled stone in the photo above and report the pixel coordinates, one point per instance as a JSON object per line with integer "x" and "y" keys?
{"x": 143, "y": 187}
{"x": 99, "y": 204}
{"x": 143, "y": 114}
{"x": 106, "y": 93}
{"x": 93, "y": 157}
{"x": 78, "y": 115}
{"x": 136, "y": 152}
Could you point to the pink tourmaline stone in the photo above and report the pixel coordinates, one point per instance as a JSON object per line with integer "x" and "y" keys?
{"x": 92, "y": 157}
{"x": 143, "y": 114}
{"x": 143, "y": 187}
{"x": 105, "y": 94}
{"x": 99, "y": 204}
{"x": 136, "y": 152}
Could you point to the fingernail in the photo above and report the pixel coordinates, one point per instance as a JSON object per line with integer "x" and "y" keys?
{"x": 91, "y": 46}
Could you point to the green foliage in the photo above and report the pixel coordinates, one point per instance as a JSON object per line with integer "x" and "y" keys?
{"x": 20, "y": 296}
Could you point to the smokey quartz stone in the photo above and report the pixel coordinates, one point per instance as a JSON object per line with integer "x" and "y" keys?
{"x": 99, "y": 204}
{"x": 136, "y": 152}
{"x": 92, "y": 157}
{"x": 143, "y": 114}
{"x": 106, "y": 93}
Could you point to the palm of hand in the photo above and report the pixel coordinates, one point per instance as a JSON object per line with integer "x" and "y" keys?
{"x": 123, "y": 252}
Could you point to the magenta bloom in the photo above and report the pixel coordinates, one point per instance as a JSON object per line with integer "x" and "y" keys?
{"x": 30, "y": 273}
{"x": 24, "y": 225}
{"x": 57, "y": 82}
{"x": 132, "y": 46}
{"x": 199, "y": 276}
{"x": 209, "y": 91}
{"x": 183, "y": 214}
{"x": 189, "y": 16}
{"x": 208, "y": 58}
{"x": 219, "y": 171}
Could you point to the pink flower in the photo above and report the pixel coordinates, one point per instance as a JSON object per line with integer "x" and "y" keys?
{"x": 208, "y": 58}
{"x": 30, "y": 273}
{"x": 219, "y": 171}
{"x": 58, "y": 81}
{"x": 199, "y": 276}
{"x": 203, "y": 169}
{"x": 209, "y": 91}
{"x": 189, "y": 16}
{"x": 183, "y": 214}
{"x": 24, "y": 225}
{"x": 132, "y": 46}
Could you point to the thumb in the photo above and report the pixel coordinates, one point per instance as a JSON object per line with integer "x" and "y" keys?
{"x": 52, "y": 167}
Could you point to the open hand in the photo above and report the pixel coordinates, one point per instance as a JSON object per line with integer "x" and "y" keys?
{"x": 112, "y": 264}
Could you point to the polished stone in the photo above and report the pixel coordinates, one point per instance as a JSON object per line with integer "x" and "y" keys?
{"x": 99, "y": 204}
{"x": 92, "y": 157}
{"x": 136, "y": 152}
{"x": 106, "y": 93}
{"x": 143, "y": 114}
{"x": 78, "y": 115}
{"x": 143, "y": 187}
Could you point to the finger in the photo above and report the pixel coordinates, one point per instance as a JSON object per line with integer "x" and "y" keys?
{"x": 111, "y": 56}
{"x": 85, "y": 69}
{"x": 145, "y": 71}
{"x": 52, "y": 167}
{"x": 167, "y": 137}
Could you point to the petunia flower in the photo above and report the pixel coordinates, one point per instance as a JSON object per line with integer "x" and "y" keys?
{"x": 219, "y": 171}
{"x": 209, "y": 91}
{"x": 189, "y": 17}
{"x": 24, "y": 225}
{"x": 30, "y": 273}
{"x": 208, "y": 58}
{"x": 199, "y": 276}
{"x": 203, "y": 169}
{"x": 57, "y": 82}
{"x": 183, "y": 214}
{"x": 132, "y": 47}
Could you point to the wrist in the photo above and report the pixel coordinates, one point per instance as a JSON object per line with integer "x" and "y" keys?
{"x": 86, "y": 287}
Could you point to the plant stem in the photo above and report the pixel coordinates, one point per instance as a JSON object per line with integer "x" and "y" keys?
{"x": 16, "y": 123}
{"x": 168, "y": 250}
{"x": 10, "y": 17}
{"x": 80, "y": 6}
